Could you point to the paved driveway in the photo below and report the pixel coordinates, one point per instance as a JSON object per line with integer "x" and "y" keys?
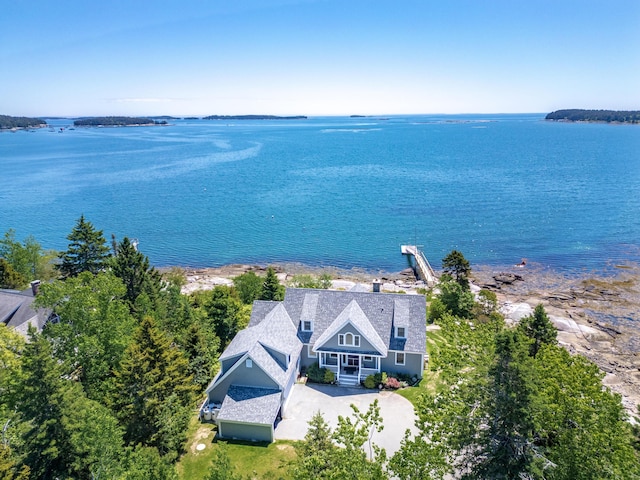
{"x": 305, "y": 400}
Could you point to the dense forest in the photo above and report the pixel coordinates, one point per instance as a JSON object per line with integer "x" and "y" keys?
{"x": 253, "y": 117}
{"x": 116, "y": 122}
{"x": 7, "y": 121}
{"x": 576, "y": 115}
{"x": 110, "y": 386}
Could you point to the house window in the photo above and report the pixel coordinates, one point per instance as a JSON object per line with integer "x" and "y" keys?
{"x": 307, "y": 326}
{"x": 399, "y": 358}
{"x": 248, "y": 363}
{"x": 349, "y": 340}
{"x": 400, "y": 332}
{"x": 368, "y": 358}
{"x": 310, "y": 352}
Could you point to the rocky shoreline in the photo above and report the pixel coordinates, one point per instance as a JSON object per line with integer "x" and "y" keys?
{"x": 596, "y": 315}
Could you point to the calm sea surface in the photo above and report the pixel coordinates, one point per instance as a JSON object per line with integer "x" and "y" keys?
{"x": 336, "y": 191}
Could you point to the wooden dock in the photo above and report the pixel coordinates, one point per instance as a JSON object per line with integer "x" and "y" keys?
{"x": 421, "y": 265}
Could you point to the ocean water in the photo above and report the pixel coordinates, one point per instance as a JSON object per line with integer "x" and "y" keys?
{"x": 337, "y": 191}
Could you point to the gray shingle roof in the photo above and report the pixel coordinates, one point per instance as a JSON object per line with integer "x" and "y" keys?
{"x": 354, "y": 315}
{"x": 251, "y": 405}
{"x": 16, "y": 311}
{"x": 378, "y": 308}
{"x": 276, "y": 331}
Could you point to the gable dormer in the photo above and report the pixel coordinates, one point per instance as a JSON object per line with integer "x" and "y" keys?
{"x": 401, "y": 320}
{"x": 352, "y": 330}
{"x": 308, "y": 314}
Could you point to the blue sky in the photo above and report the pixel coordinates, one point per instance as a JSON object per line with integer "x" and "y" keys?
{"x": 317, "y": 57}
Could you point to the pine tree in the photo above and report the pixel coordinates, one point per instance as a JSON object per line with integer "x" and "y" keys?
{"x": 539, "y": 329}
{"x": 153, "y": 378}
{"x": 458, "y": 267}
{"x": 87, "y": 252}
{"x": 132, "y": 267}
{"x": 271, "y": 288}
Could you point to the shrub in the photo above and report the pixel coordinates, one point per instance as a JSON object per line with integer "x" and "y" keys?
{"x": 320, "y": 375}
{"x": 329, "y": 376}
{"x": 392, "y": 383}
{"x": 370, "y": 381}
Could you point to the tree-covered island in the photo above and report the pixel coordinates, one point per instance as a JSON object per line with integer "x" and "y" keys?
{"x": 117, "y": 122}
{"x": 253, "y": 117}
{"x": 608, "y": 116}
{"x": 8, "y": 122}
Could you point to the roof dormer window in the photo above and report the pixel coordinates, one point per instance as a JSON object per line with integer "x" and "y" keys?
{"x": 307, "y": 326}
{"x": 349, "y": 340}
{"x": 401, "y": 332}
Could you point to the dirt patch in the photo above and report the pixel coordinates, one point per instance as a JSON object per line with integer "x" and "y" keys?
{"x": 201, "y": 434}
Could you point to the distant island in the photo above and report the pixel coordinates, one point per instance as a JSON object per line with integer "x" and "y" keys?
{"x": 191, "y": 118}
{"x": 7, "y": 122}
{"x": 117, "y": 122}
{"x": 608, "y": 116}
{"x": 253, "y": 117}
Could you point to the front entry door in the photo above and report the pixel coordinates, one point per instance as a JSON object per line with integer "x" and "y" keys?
{"x": 350, "y": 360}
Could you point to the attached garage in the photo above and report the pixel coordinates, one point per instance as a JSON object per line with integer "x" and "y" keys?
{"x": 245, "y": 431}
{"x": 249, "y": 413}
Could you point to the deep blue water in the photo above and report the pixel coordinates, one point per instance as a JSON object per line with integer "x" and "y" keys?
{"x": 335, "y": 190}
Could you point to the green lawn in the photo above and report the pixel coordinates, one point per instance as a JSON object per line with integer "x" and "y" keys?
{"x": 250, "y": 459}
{"x": 429, "y": 382}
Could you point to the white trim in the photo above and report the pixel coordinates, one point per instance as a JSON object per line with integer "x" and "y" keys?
{"x": 310, "y": 352}
{"x": 404, "y": 358}
{"x": 234, "y": 367}
{"x": 302, "y": 325}
{"x": 404, "y": 332}
{"x": 342, "y": 339}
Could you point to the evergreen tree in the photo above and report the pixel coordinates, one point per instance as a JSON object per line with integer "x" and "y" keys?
{"x": 132, "y": 267}
{"x": 458, "y": 267}
{"x": 201, "y": 348}
{"x": 539, "y": 329}
{"x": 47, "y": 444}
{"x": 152, "y": 379}
{"x": 271, "y": 288}
{"x": 505, "y": 447}
{"x": 87, "y": 252}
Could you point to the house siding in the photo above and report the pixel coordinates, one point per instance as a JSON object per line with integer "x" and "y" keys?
{"x": 245, "y": 431}
{"x": 413, "y": 364}
{"x": 332, "y": 343}
{"x": 305, "y": 359}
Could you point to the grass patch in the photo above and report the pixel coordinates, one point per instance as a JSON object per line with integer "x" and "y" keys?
{"x": 252, "y": 460}
{"x": 430, "y": 379}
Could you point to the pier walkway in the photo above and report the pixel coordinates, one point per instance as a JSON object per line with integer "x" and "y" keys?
{"x": 422, "y": 267}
